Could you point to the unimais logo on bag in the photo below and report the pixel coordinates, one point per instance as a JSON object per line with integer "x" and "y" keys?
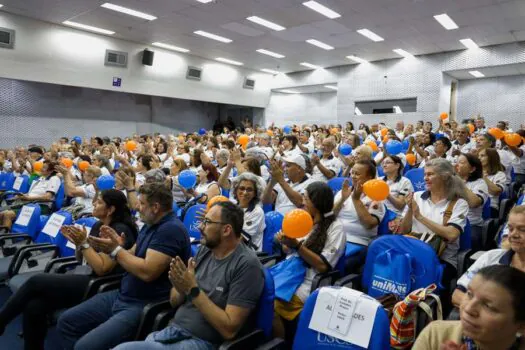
{"x": 389, "y": 286}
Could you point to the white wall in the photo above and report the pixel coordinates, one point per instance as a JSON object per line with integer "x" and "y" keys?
{"x": 313, "y": 108}
{"x": 51, "y": 53}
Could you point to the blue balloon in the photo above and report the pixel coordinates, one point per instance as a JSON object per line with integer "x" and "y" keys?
{"x": 78, "y": 140}
{"x": 274, "y": 222}
{"x": 287, "y": 129}
{"x": 406, "y": 144}
{"x": 202, "y": 131}
{"x": 438, "y": 136}
{"x": 105, "y": 182}
{"x": 187, "y": 179}
{"x": 345, "y": 149}
{"x": 394, "y": 147}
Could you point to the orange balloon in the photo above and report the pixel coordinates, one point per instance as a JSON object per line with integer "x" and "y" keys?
{"x": 130, "y": 146}
{"x": 297, "y": 223}
{"x": 372, "y": 145}
{"x": 471, "y": 128}
{"x": 243, "y": 140}
{"x": 68, "y": 163}
{"x": 334, "y": 131}
{"x": 376, "y": 190}
{"x": 443, "y": 116}
{"x": 385, "y": 140}
{"x": 411, "y": 158}
{"x": 216, "y": 199}
{"x": 37, "y": 166}
{"x": 83, "y": 165}
{"x": 384, "y": 131}
{"x": 512, "y": 139}
{"x": 497, "y": 133}
{"x": 269, "y": 132}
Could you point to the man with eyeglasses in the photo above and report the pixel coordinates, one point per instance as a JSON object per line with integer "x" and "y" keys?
{"x": 462, "y": 143}
{"x": 216, "y": 292}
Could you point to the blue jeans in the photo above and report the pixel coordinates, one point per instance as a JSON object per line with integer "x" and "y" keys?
{"x": 170, "y": 338}
{"x": 102, "y": 322}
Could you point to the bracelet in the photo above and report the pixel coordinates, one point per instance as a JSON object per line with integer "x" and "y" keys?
{"x": 114, "y": 253}
{"x": 132, "y": 190}
{"x": 299, "y": 246}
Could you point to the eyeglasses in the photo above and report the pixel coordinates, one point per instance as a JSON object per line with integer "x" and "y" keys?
{"x": 386, "y": 162}
{"x": 245, "y": 189}
{"x": 206, "y": 222}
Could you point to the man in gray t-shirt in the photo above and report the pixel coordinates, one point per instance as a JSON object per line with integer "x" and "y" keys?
{"x": 218, "y": 291}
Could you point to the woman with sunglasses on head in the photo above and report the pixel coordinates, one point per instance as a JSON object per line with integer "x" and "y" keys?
{"x": 399, "y": 185}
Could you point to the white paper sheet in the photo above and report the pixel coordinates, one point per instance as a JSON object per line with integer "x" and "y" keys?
{"x": 53, "y": 225}
{"x": 18, "y": 183}
{"x": 25, "y": 215}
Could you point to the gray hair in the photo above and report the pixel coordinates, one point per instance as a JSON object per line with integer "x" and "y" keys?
{"x": 246, "y": 176}
{"x": 154, "y": 175}
{"x": 264, "y": 136}
{"x": 454, "y": 185}
{"x": 224, "y": 154}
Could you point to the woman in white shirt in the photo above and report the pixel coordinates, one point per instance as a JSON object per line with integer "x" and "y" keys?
{"x": 103, "y": 163}
{"x": 247, "y": 191}
{"x": 494, "y": 176}
{"x": 399, "y": 185}
{"x": 82, "y": 195}
{"x": 172, "y": 181}
{"x": 321, "y": 249}
{"x": 469, "y": 168}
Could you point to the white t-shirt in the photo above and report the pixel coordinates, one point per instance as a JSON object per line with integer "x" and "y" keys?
{"x": 254, "y": 225}
{"x": 87, "y": 199}
{"x": 398, "y": 188}
{"x": 435, "y": 212}
{"x": 464, "y": 148}
{"x": 185, "y": 157}
{"x": 333, "y": 249}
{"x": 507, "y": 159}
{"x": 479, "y": 187}
{"x": 282, "y": 203}
{"x": 105, "y": 171}
{"x": 519, "y": 163}
{"x": 492, "y": 257}
{"x": 499, "y": 179}
{"x": 43, "y": 185}
{"x": 354, "y": 229}
{"x": 333, "y": 164}
{"x": 310, "y": 146}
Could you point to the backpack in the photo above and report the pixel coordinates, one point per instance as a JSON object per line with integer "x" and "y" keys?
{"x": 404, "y": 320}
{"x": 392, "y": 273}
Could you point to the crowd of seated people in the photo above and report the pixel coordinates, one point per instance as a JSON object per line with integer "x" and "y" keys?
{"x": 215, "y": 291}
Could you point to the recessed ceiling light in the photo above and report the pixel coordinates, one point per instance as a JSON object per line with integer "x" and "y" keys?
{"x": 128, "y": 11}
{"x": 319, "y": 44}
{"x": 286, "y": 91}
{"x": 270, "y": 53}
{"x": 314, "y": 5}
{"x": 271, "y": 71}
{"x": 332, "y": 87}
{"x": 170, "y": 47}
{"x": 398, "y": 110}
{"x": 205, "y": 1}
{"x": 446, "y": 21}
{"x": 212, "y": 36}
{"x": 225, "y": 60}
{"x": 90, "y": 28}
{"x": 403, "y": 53}
{"x": 476, "y": 73}
{"x": 309, "y": 65}
{"x": 357, "y": 111}
{"x": 356, "y": 59}
{"x": 469, "y": 43}
{"x": 1, "y": 5}
{"x": 370, "y": 35}
{"x": 265, "y": 23}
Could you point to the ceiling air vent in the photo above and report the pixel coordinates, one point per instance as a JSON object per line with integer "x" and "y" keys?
{"x": 249, "y": 83}
{"x": 116, "y": 58}
{"x": 194, "y": 73}
{"x": 7, "y": 38}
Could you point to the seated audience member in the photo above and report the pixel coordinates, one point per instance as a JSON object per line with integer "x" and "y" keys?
{"x": 216, "y": 292}
{"x": 514, "y": 257}
{"x": 287, "y": 195}
{"x": 359, "y": 214}
{"x": 108, "y": 319}
{"x": 45, "y": 293}
{"x": 519, "y": 160}
{"x": 288, "y": 147}
{"x": 42, "y": 189}
{"x": 247, "y": 191}
{"x": 494, "y": 176}
{"x": 492, "y": 315}
{"x": 327, "y": 166}
{"x": 321, "y": 249}
{"x": 440, "y": 210}
{"x": 172, "y": 181}
{"x": 469, "y": 168}
{"x": 362, "y": 152}
{"x": 462, "y": 143}
{"x": 399, "y": 185}
{"x": 83, "y": 195}
{"x": 103, "y": 163}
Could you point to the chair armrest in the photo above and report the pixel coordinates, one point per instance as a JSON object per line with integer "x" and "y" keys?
{"x": 24, "y": 253}
{"x": 248, "y": 341}
{"x": 324, "y": 279}
{"x": 274, "y": 344}
{"x": 4, "y": 229}
{"x": 149, "y": 314}
{"x": 95, "y": 283}
{"x": 57, "y": 261}
{"x": 463, "y": 261}
{"x": 63, "y": 267}
{"x": 269, "y": 260}
{"x": 11, "y": 236}
{"x": 261, "y": 254}
{"x": 109, "y": 286}
{"x": 351, "y": 281}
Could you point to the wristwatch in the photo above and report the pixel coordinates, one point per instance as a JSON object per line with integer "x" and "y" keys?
{"x": 194, "y": 292}
{"x": 84, "y": 245}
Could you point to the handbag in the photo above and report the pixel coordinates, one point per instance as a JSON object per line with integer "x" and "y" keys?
{"x": 437, "y": 242}
{"x": 288, "y": 275}
{"x": 392, "y": 272}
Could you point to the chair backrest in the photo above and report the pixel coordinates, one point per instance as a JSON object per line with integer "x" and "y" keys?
{"x": 274, "y": 223}
{"x": 465, "y": 239}
{"x": 50, "y": 233}
{"x": 6, "y": 181}
{"x": 306, "y": 338}
{"x": 425, "y": 266}
{"x": 336, "y": 183}
{"x": 177, "y": 210}
{"x": 351, "y": 249}
{"x": 21, "y": 184}
{"x": 486, "y": 214}
{"x": 265, "y": 306}
{"x": 380, "y": 171}
{"x": 417, "y": 177}
{"x": 59, "y": 197}
{"x": 3, "y": 181}
{"x": 66, "y": 247}
{"x": 28, "y": 220}
{"x": 382, "y": 228}
{"x": 191, "y": 222}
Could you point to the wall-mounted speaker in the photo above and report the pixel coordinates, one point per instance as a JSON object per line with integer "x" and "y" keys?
{"x": 147, "y": 57}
